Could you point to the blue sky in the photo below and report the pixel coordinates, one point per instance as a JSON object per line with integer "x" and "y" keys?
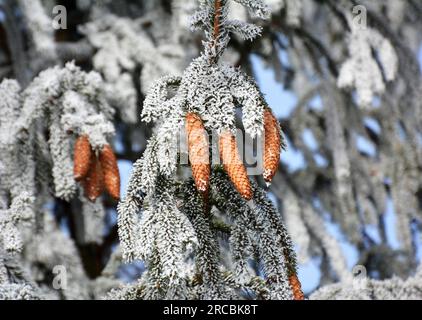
{"x": 283, "y": 103}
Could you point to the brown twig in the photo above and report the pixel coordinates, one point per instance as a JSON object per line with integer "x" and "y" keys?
{"x": 217, "y": 15}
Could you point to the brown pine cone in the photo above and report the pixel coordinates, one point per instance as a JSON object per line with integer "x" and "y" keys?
{"x": 272, "y": 145}
{"x": 111, "y": 172}
{"x": 234, "y": 165}
{"x": 81, "y": 157}
{"x": 296, "y": 287}
{"x": 94, "y": 181}
{"x": 198, "y": 152}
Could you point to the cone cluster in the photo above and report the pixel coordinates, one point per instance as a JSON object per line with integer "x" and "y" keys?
{"x": 296, "y": 287}
{"x": 272, "y": 145}
{"x": 96, "y": 172}
{"x": 199, "y": 154}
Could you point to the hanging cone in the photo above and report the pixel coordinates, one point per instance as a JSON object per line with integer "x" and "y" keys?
{"x": 198, "y": 152}
{"x": 272, "y": 145}
{"x": 94, "y": 181}
{"x": 111, "y": 172}
{"x": 296, "y": 287}
{"x": 81, "y": 157}
{"x": 234, "y": 165}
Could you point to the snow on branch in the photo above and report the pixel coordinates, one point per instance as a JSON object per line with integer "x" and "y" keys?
{"x": 10, "y": 220}
{"x": 66, "y": 101}
{"x": 362, "y": 71}
{"x": 256, "y": 7}
{"x": 40, "y": 28}
{"x": 212, "y": 17}
{"x": 123, "y": 45}
{"x": 168, "y": 224}
{"x": 371, "y": 289}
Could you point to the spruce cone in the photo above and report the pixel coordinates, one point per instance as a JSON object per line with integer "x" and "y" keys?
{"x": 110, "y": 169}
{"x": 198, "y": 152}
{"x": 234, "y": 165}
{"x": 94, "y": 182}
{"x": 296, "y": 287}
{"x": 81, "y": 157}
{"x": 272, "y": 145}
